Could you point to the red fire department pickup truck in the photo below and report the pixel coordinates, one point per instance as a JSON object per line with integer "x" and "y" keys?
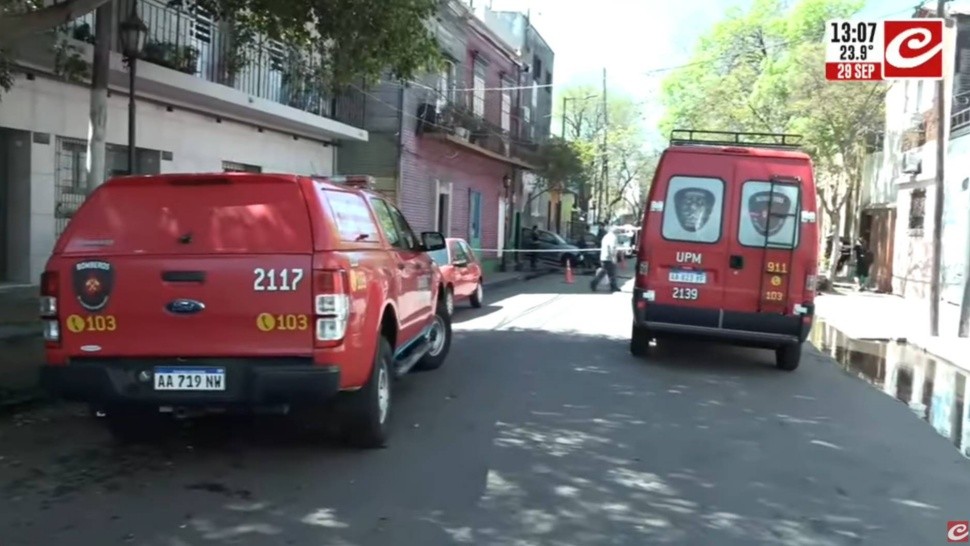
{"x": 186, "y": 293}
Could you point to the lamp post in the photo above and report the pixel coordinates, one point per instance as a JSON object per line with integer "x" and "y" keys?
{"x": 506, "y": 184}
{"x": 133, "y": 33}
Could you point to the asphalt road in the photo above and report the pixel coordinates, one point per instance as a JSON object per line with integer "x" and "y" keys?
{"x": 541, "y": 429}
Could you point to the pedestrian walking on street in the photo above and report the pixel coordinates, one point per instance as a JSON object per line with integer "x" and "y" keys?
{"x": 608, "y": 251}
{"x": 863, "y": 262}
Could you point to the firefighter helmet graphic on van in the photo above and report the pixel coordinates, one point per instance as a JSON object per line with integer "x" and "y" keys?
{"x": 93, "y": 281}
{"x": 764, "y": 208}
{"x": 694, "y": 207}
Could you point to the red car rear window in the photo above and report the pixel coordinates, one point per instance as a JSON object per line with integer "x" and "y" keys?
{"x": 222, "y": 217}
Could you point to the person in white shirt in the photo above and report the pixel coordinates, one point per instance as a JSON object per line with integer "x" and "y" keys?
{"x": 608, "y": 251}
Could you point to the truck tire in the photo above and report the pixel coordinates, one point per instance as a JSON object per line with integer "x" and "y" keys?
{"x": 639, "y": 341}
{"x": 788, "y": 356}
{"x": 367, "y": 411}
{"x": 440, "y": 341}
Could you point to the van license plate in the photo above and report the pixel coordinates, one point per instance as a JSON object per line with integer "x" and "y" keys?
{"x": 689, "y": 277}
{"x": 190, "y": 379}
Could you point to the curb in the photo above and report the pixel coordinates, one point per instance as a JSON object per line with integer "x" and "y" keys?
{"x": 513, "y": 280}
{"x": 911, "y": 343}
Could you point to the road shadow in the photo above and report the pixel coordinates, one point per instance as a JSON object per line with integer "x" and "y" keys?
{"x": 523, "y": 437}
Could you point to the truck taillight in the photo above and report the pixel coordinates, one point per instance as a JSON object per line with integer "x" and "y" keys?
{"x": 331, "y": 305}
{"x": 49, "y": 291}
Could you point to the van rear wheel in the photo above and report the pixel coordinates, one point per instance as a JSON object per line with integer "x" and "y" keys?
{"x": 639, "y": 341}
{"x": 788, "y": 356}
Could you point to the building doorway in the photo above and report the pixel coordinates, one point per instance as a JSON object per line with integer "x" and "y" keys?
{"x": 15, "y": 206}
{"x": 442, "y": 210}
{"x": 475, "y": 221}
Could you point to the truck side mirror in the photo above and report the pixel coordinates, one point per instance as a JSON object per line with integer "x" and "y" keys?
{"x": 432, "y": 241}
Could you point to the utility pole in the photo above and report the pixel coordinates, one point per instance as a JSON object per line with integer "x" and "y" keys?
{"x": 601, "y": 202}
{"x": 563, "y": 133}
{"x": 938, "y": 197}
{"x": 104, "y": 28}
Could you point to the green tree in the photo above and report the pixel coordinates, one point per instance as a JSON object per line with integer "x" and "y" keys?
{"x": 636, "y": 199}
{"x": 763, "y": 71}
{"x": 349, "y": 40}
{"x": 613, "y": 138}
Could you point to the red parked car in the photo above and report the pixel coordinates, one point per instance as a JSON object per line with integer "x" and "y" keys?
{"x": 461, "y": 273}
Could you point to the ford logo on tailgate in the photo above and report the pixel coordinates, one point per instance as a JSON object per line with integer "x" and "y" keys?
{"x": 185, "y": 307}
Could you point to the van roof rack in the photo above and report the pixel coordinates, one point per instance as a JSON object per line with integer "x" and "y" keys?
{"x": 681, "y": 137}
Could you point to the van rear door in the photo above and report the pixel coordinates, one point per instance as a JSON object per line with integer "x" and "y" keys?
{"x": 189, "y": 266}
{"x": 768, "y": 250}
{"x": 684, "y": 246}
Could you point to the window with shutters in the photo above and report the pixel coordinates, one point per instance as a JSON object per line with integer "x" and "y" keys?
{"x": 506, "y": 105}
{"x": 917, "y": 211}
{"x": 478, "y": 97}
{"x": 445, "y": 87}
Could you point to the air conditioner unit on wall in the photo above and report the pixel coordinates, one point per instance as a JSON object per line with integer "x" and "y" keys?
{"x": 912, "y": 163}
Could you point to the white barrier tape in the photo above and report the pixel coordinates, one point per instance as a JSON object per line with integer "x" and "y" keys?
{"x": 538, "y": 250}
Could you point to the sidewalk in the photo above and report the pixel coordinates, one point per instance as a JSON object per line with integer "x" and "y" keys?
{"x": 870, "y": 316}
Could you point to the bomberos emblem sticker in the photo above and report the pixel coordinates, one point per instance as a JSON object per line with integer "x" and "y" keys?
{"x": 763, "y": 206}
{"x": 93, "y": 282}
{"x": 694, "y": 207}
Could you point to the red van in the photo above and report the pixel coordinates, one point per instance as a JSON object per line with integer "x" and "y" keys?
{"x": 188, "y": 293}
{"x": 729, "y": 246}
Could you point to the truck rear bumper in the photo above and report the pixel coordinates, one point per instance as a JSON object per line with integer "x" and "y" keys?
{"x": 248, "y": 382}
{"x": 755, "y": 329}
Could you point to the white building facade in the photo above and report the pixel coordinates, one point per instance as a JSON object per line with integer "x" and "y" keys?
{"x": 191, "y": 116}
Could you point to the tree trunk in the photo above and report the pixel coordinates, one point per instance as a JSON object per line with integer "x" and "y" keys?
{"x": 836, "y": 220}
{"x": 850, "y": 212}
{"x": 98, "y": 123}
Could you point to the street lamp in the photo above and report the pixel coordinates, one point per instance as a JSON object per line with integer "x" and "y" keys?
{"x": 506, "y": 184}
{"x": 133, "y": 33}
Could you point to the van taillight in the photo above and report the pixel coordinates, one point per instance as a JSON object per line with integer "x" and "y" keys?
{"x": 331, "y": 306}
{"x": 811, "y": 284}
{"x": 49, "y": 291}
{"x": 643, "y": 269}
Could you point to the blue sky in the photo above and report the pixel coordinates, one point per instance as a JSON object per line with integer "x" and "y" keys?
{"x": 631, "y": 38}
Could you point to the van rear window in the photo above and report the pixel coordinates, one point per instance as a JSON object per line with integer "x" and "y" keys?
{"x": 161, "y": 218}
{"x": 693, "y": 209}
{"x": 756, "y": 228}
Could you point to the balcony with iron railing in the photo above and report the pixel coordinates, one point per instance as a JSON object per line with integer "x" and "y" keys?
{"x": 193, "y": 42}
{"x": 450, "y": 114}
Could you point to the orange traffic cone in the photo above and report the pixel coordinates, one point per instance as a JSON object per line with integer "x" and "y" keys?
{"x": 569, "y": 272}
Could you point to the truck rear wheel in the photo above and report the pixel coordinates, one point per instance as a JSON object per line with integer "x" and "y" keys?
{"x": 639, "y": 341}
{"x": 440, "y": 339}
{"x": 788, "y": 356}
{"x": 367, "y": 411}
